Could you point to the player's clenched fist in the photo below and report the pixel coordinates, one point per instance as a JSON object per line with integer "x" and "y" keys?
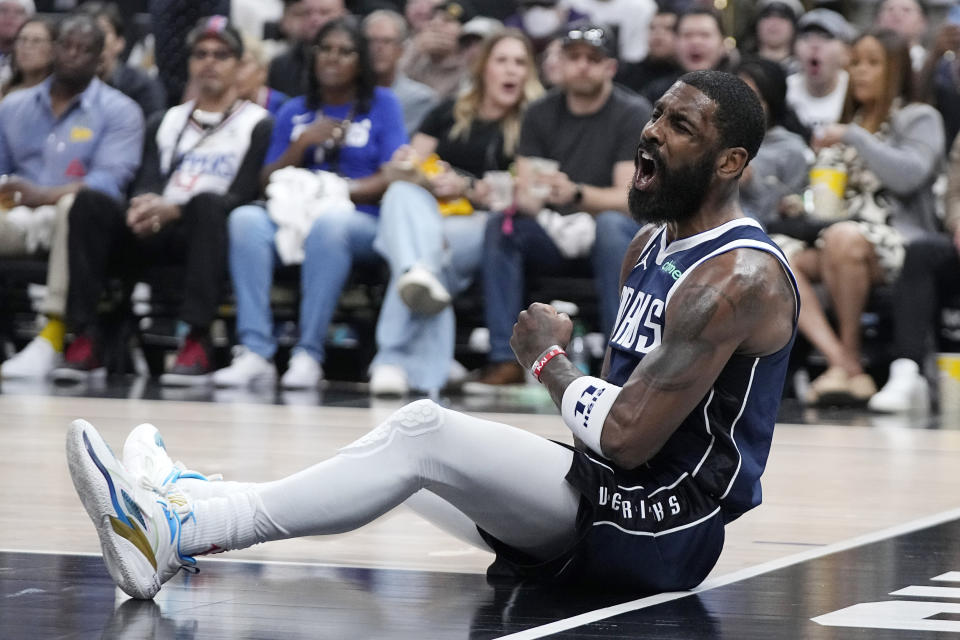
{"x": 537, "y": 328}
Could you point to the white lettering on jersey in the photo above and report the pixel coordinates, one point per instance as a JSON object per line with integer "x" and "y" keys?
{"x": 638, "y": 309}
{"x": 658, "y": 511}
{"x": 674, "y": 505}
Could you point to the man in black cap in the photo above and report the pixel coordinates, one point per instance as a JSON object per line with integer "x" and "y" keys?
{"x": 577, "y": 211}
{"x": 434, "y": 57}
{"x": 201, "y": 159}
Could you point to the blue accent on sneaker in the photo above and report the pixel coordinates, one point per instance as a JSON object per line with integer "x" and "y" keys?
{"x": 159, "y": 440}
{"x": 193, "y": 475}
{"x": 132, "y": 507}
{"x": 175, "y": 527}
{"x": 172, "y": 520}
{"x": 106, "y": 474}
{"x": 176, "y": 474}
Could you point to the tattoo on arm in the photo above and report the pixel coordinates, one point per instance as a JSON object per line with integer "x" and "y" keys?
{"x": 674, "y": 368}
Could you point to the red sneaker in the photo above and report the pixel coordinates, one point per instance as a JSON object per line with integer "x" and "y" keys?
{"x": 192, "y": 366}
{"x": 81, "y": 361}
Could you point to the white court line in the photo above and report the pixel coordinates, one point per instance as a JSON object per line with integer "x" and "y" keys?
{"x": 279, "y": 563}
{"x": 736, "y": 576}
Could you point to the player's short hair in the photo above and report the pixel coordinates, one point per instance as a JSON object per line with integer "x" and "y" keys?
{"x": 739, "y": 116}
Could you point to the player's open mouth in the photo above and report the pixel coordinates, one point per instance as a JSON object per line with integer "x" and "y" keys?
{"x": 647, "y": 170}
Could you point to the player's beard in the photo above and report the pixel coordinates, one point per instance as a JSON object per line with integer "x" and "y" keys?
{"x": 678, "y": 194}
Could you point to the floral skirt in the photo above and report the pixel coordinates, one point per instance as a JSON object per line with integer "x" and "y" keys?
{"x": 888, "y": 244}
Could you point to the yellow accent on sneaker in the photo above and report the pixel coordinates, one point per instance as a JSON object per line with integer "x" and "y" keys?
{"x": 54, "y": 332}
{"x": 136, "y": 537}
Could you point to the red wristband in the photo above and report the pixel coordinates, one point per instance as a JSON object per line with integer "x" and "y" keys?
{"x": 549, "y": 354}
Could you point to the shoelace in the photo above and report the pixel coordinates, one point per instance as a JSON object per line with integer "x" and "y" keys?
{"x": 178, "y": 472}
{"x": 177, "y": 499}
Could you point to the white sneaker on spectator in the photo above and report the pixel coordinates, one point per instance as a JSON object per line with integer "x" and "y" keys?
{"x": 246, "y": 369}
{"x": 388, "y": 380}
{"x": 422, "y": 291}
{"x": 303, "y": 372}
{"x": 457, "y": 374}
{"x": 36, "y": 360}
{"x": 906, "y": 390}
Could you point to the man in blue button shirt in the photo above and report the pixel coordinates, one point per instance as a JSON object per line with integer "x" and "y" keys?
{"x": 68, "y": 133}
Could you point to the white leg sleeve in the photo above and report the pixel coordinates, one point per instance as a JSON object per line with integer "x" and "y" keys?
{"x": 506, "y": 480}
{"x": 444, "y": 515}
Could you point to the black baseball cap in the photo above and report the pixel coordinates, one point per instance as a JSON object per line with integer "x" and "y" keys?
{"x": 218, "y": 27}
{"x": 598, "y": 36}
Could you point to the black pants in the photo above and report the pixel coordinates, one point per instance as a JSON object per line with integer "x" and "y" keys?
{"x": 931, "y": 271}
{"x": 101, "y": 245}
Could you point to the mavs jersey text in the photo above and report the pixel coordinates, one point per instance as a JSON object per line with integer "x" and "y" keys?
{"x": 662, "y": 523}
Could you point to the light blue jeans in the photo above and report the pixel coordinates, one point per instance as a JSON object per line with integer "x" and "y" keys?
{"x": 412, "y": 231}
{"x": 334, "y": 241}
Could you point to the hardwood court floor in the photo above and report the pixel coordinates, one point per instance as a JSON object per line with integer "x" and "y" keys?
{"x": 830, "y": 478}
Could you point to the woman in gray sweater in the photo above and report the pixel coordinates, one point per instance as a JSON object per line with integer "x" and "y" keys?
{"x": 890, "y": 150}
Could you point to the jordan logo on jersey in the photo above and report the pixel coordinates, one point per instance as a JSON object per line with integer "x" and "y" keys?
{"x": 639, "y": 321}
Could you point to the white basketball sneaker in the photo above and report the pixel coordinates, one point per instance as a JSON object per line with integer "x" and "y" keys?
{"x": 145, "y": 457}
{"x": 139, "y": 530}
{"x": 906, "y": 390}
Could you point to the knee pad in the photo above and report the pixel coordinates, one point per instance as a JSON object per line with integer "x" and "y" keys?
{"x": 415, "y": 419}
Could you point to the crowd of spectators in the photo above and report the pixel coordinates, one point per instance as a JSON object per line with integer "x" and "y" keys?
{"x": 466, "y": 147}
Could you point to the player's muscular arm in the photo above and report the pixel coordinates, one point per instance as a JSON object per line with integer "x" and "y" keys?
{"x": 737, "y": 302}
{"x": 559, "y": 375}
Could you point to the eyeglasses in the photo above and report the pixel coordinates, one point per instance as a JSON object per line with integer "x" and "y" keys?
{"x": 591, "y": 35}
{"x": 328, "y": 52}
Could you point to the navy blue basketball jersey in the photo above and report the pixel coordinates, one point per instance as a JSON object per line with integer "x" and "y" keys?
{"x": 723, "y": 444}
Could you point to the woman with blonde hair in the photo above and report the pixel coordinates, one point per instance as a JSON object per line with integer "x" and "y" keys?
{"x": 433, "y": 214}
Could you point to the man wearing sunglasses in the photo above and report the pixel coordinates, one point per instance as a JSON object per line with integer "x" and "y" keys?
{"x": 590, "y": 129}
{"x": 201, "y": 159}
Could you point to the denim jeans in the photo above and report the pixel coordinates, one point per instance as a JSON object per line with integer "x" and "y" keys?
{"x": 334, "y": 241}
{"x": 412, "y": 232}
{"x": 506, "y": 259}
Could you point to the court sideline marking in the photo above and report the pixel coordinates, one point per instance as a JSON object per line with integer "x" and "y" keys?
{"x": 743, "y": 574}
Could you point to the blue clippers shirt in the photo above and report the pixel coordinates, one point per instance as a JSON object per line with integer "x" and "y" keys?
{"x": 724, "y": 442}
{"x": 369, "y": 142}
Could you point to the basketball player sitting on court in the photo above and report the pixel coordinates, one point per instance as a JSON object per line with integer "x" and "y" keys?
{"x": 671, "y": 443}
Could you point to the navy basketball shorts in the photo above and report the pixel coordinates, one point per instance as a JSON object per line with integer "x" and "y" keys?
{"x": 637, "y": 531}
